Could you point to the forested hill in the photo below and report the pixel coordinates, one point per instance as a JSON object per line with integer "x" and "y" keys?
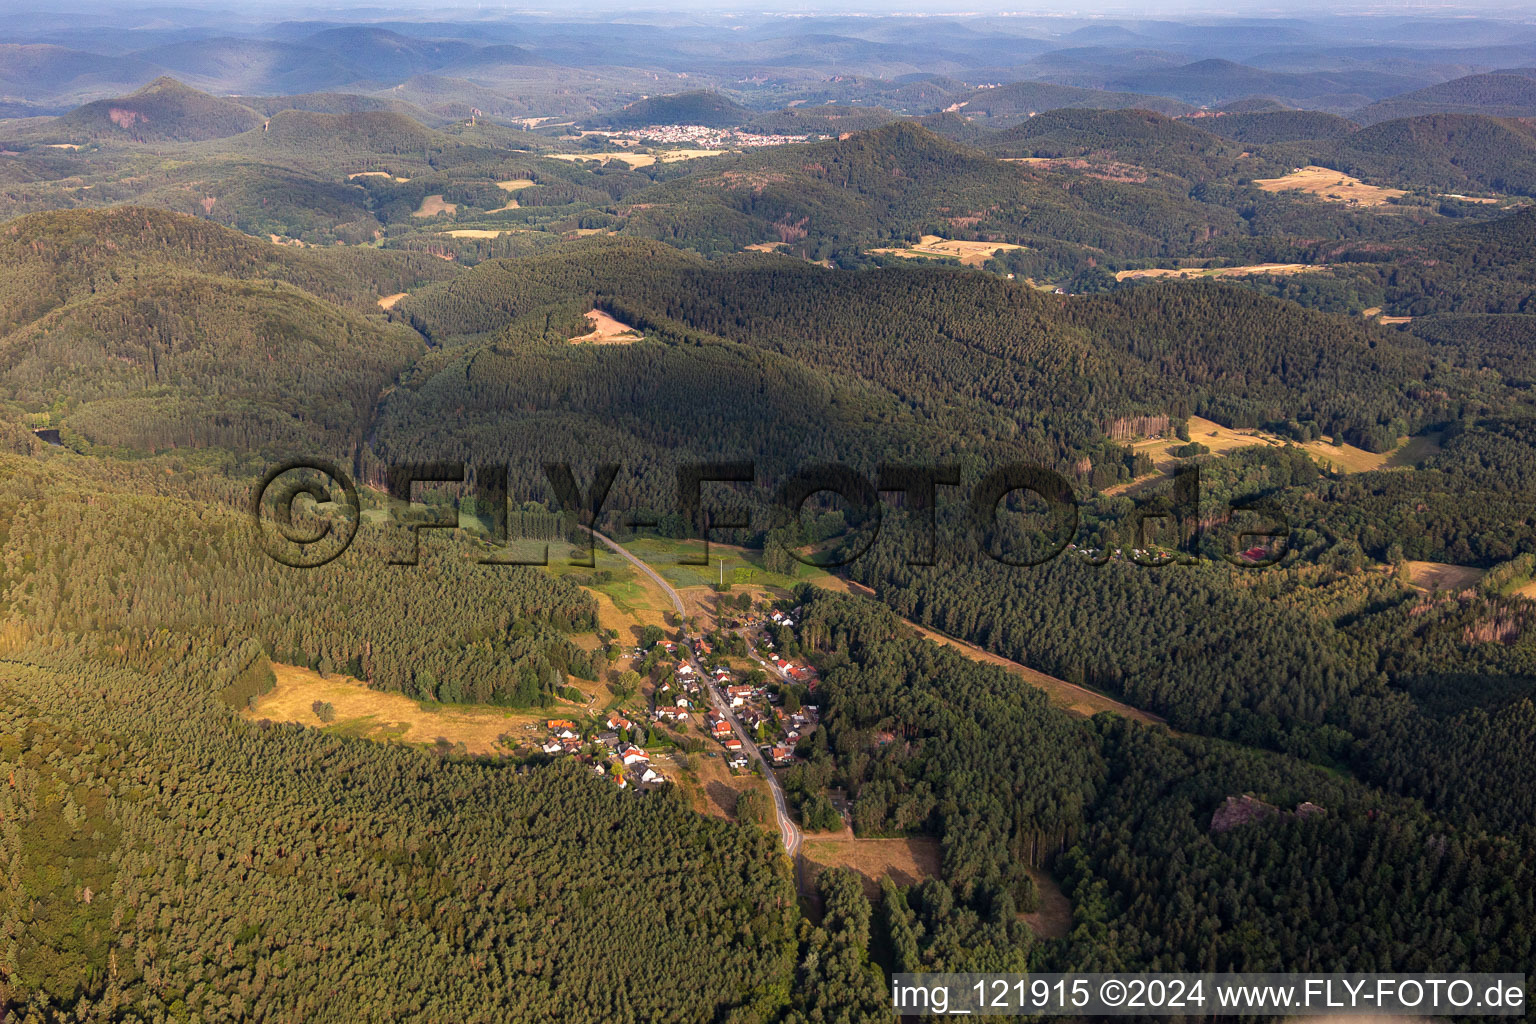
{"x": 150, "y": 826}
{"x": 920, "y": 354}
{"x": 1018, "y": 101}
{"x": 705, "y": 108}
{"x": 1451, "y": 269}
{"x": 145, "y": 330}
{"x": 1450, "y": 152}
{"x": 1510, "y": 93}
{"x": 1261, "y": 127}
{"x": 898, "y": 182}
{"x": 1138, "y": 138}
{"x": 165, "y": 110}
{"x": 54, "y": 258}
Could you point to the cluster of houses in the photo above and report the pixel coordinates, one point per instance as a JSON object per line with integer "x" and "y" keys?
{"x": 609, "y": 755}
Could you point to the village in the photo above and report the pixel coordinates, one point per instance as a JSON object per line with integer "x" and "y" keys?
{"x": 706, "y": 693}
{"x": 700, "y": 136}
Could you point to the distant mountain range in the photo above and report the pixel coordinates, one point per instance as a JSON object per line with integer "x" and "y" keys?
{"x": 1001, "y": 70}
{"x": 1509, "y": 93}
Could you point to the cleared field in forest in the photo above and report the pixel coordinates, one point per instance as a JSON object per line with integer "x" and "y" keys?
{"x": 378, "y": 715}
{"x": 1341, "y": 458}
{"x": 606, "y": 331}
{"x": 1330, "y": 186}
{"x": 1185, "y": 273}
{"x": 905, "y": 861}
{"x": 1430, "y": 576}
{"x": 970, "y": 254}
{"x": 434, "y": 205}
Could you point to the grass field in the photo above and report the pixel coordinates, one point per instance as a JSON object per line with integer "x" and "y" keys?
{"x": 634, "y": 160}
{"x": 514, "y": 184}
{"x": 904, "y": 861}
{"x": 970, "y": 254}
{"x": 388, "y": 301}
{"x": 393, "y": 717}
{"x": 373, "y": 174}
{"x": 627, "y": 602}
{"x": 1432, "y": 576}
{"x": 605, "y": 330}
{"x": 434, "y": 205}
{"x": 743, "y": 567}
{"x": 1343, "y": 458}
{"x": 1331, "y": 186}
{"x": 476, "y": 232}
{"x": 1185, "y": 273}
{"x": 1347, "y": 458}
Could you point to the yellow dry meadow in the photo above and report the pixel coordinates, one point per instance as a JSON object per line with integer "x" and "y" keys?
{"x": 1330, "y": 186}
{"x": 434, "y": 205}
{"x": 1185, "y": 273}
{"x": 970, "y": 254}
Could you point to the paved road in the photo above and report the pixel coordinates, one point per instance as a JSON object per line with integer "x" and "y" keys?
{"x": 787, "y": 827}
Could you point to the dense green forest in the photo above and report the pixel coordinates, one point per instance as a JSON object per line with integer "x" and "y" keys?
{"x": 927, "y": 741}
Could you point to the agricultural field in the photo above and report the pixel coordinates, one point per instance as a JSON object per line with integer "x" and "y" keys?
{"x": 1331, "y": 186}
{"x": 1345, "y": 458}
{"x": 970, "y": 254}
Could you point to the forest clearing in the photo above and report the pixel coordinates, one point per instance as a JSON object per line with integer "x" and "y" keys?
{"x": 434, "y": 205}
{"x": 1186, "y": 273}
{"x": 391, "y": 717}
{"x": 970, "y": 254}
{"x": 605, "y": 330}
{"x": 1433, "y": 576}
{"x": 905, "y": 860}
{"x": 1330, "y": 186}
